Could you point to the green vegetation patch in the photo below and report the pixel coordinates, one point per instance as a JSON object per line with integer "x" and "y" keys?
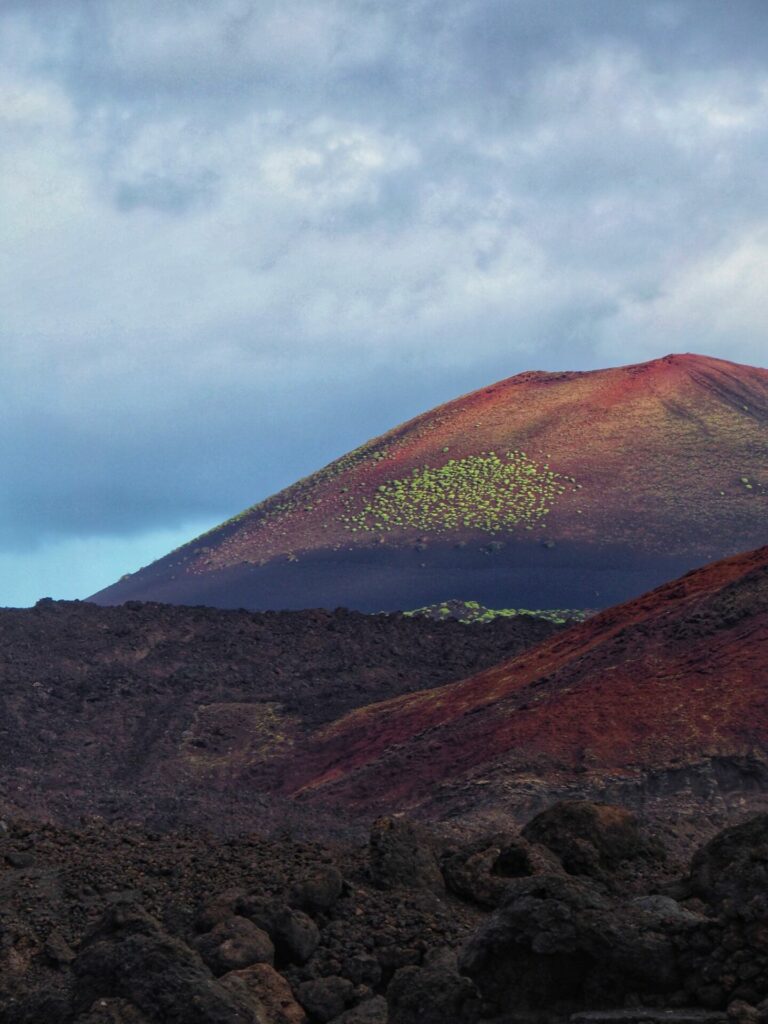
{"x": 488, "y": 492}
{"x": 473, "y": 611}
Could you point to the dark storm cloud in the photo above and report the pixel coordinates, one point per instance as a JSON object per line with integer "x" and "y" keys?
{"x": 240, "y": 238}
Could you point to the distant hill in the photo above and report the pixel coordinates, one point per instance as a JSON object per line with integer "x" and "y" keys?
{"x": 665, "y": 694}
{"x": 546, "y": 490}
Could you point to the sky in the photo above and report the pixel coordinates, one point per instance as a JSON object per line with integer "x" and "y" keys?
{"x": 240, "y": 237}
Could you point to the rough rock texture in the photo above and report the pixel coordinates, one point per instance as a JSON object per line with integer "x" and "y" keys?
{"x": 176, "y": 715}
{"x": 267, "y": 995}
{"x": 481, "y": 870}
{"x": 729, "y": 961}
{"x": 294, "y": 934}
{"x": 129, "y": 956}
{"x": 370, "y": 1011}
{"x": 111, "y": 920}
{"x": 233, "y": 944}
{"x": 106, "y": 924}
{"x": 432, "y": 994}
{"x": 320, "y": 892}
{"x": 401, "y": 856}
{"x": 733, "y": 865}
{"x": 324, "y": 999}
{"x": 112, "y": 1011}
{"x": 561, "y": 942}
{"x": 591, "y": 839}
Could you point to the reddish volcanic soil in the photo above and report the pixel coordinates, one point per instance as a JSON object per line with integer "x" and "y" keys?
{"x": 168, "y": 715}
{"x": 669, "y": 684}
{"x": 543, "y": 490}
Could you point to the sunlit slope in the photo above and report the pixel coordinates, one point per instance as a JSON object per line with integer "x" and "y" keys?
{"x": 675, "y": 678}
{"x": 561, "y": 489}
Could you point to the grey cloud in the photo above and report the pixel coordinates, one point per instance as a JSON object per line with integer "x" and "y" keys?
{"x": 160, "y": 192}
{"x": 243, "y": 237}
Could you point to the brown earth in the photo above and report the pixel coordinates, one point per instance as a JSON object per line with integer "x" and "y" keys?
{"x": 661, "y": 700}
{"x": 172, "y": 715}
{"x": 543, "y": 490}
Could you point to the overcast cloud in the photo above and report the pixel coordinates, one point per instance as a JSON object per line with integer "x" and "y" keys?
{"x": 239, "y": 238}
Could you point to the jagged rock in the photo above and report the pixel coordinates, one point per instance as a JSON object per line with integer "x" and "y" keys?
{"x": 233, "y": 944}
{"x": 400, "y": 856}
{"x": 729, "y": 965}
{"x": 112, "y": 1011}
{"x": 667, "y": 910}
{"x": 480, "y": 872}
{"x": 591, "y": 839}
{"x": 318, "y": 893}
{"x": 266, "y": 994}
{"x": 220, "y": 908}
{"x": 560, "y": 943}
{"x": 19, "y": 858}
{"x": 57, "y": 949}
{"x": 432, "y": 994}
{"x": 294, "y": 934}
{"x": 36, "y": 1006}
{"x": 371, "y": 1011}
{"x": 362, "y": 969}
{"x": 741, "y": 1012}
{"x": 128, "y": 956}
{"x": 325, "y": 998}
{"x": 733, "y": 865}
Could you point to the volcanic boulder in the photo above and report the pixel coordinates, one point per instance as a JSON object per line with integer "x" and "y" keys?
{"x": 400, "y": 855}
{"x": 130, "y": 957}
{"x": 433, "y": 993}
{"x": 233, "y": 944}
{"x": 591, "y": 839}
{"x": 562, "y": 944}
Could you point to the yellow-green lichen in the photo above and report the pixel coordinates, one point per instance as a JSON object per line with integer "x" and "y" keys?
{"x": 488, "y": 492}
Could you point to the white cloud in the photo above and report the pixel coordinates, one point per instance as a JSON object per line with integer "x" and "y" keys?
{"x": 718, "y": 303}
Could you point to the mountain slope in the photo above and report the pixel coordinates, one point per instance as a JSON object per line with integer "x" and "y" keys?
{"x": 544, "y": 490}
{"x": 151, "y": 712}
{"x": 653, "y": 688}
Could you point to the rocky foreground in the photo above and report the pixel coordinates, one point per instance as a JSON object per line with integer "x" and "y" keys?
{"x": 582, "y": 910}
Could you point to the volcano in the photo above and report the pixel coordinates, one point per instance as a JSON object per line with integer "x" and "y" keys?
{"x": 573, "y": 489}
{"x": 664, "y": 693}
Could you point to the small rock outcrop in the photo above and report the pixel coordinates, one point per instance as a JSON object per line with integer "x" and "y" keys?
{"x": 318, "y": 893}
{"x": 432, "y": 994}
{"x": 592, "y": 839}
{"x": 561, "y": 943}
{"x": 481, "y": 871}
{"x": 266, "y": 994}
{"x": 130, "y": 957}
{"x": 233, "y": 944}
{"x": 400, "y": 856}
{"x": 326, "y": 998}
{"x": 294, "y": 934}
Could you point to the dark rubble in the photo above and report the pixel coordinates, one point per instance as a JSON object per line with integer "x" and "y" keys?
{"x": 581, "y": 913}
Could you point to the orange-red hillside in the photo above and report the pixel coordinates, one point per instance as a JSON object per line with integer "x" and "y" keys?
{"x": 674, "y": 678}
{"x": 546, "y": 489}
